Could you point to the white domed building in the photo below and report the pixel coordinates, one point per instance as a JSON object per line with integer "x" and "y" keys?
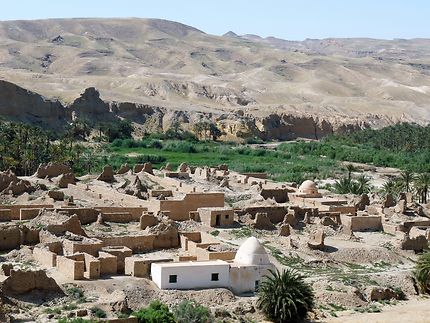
{"x": 242, "y": 275}
{"x": 251, "y": 252}
{"x": 308, "y": 187}
{"x": 250, "y": 266}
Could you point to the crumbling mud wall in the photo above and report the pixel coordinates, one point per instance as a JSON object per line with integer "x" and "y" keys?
{"x": 21, "y": 282}
{"x": 179, "y": 210}
{"x": 13, "y": 236}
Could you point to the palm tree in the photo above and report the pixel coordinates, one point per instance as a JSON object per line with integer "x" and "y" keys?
{"x": 422, "y": 273}
{"x": 350, "y": 168}
{"x": 363, "y": 184}
{"x": 390, "y": 187}
{"x": 422, "y": 185}
{"x": 407, "y": 178}
{"x": 285, "y": 297}
{"x": 342, "y": 186}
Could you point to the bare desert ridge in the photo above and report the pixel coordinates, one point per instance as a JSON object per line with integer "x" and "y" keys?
{"x": 153, "y": 72}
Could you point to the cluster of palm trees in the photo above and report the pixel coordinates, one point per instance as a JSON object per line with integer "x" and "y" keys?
{"x": 350, "y": 185}
{"x": 419, "y": 184}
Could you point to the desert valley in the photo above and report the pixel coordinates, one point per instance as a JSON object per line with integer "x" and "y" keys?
{"x": 151, "y": 172}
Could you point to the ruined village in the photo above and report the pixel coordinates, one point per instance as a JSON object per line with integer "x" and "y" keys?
{"x": 120, "y": 239}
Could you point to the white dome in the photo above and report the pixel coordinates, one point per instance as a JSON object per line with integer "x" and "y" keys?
{"x": 251, "y": 252}
{"x": 308, "y": 187}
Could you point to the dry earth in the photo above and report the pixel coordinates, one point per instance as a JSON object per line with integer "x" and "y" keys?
{"x": 343, "y": 273}
{"x": 361, "y": 82}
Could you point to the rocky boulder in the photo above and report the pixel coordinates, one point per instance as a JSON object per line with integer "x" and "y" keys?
{"x": 19, "y": 187}
{"x": 328, "y": 221}
{"x": 400, "y": 206}
{"x": 383, "y": 293}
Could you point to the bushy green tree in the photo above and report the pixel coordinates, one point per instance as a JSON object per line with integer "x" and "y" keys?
{"x": 156, "y": 312}
{"x": 285, "y": 296}
{"x": 192, "y": 312}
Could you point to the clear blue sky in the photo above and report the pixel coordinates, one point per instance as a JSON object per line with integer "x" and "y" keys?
{"x": 295, "y": 20}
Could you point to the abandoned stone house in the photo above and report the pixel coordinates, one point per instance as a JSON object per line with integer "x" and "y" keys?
{"x": 216, "y": 216}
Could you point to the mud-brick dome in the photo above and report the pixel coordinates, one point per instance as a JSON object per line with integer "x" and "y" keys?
{"x": 308, "y": 187}
{"x": 251, "y": 252}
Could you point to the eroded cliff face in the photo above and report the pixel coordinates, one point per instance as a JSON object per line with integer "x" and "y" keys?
{"x": 19, "y": 104}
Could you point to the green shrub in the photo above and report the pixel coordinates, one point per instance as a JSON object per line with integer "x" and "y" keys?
{"x": 180, "y": 147}
{"x": 75, "y": 320}
{"x": 98, "y": 312}
{"x": 285, "y": 297}
{"x": 156, "y": 312}
{"x": 76, "y": 293}
{"x": 191, "y": 312}
{"x": 422, "y": 273}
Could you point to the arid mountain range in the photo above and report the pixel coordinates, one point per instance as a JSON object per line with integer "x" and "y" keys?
{"x": 155, "y": 71}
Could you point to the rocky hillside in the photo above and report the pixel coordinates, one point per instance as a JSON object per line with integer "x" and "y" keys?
{"x": 154, "y": 71}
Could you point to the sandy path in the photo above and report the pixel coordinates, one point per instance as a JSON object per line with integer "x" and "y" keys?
{"x": 413, "y": 311}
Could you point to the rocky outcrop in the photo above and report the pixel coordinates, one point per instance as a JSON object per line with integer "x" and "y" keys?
{"x": 19, "y": 104}
{"x": 90, "y": 107}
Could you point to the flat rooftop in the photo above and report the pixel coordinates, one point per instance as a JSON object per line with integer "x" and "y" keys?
{"x": 193, "y": 263}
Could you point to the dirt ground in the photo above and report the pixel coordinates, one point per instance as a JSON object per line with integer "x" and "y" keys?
{"x": 342, "y": 274}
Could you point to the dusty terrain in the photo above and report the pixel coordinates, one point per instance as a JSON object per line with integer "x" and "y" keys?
{"x": 189, "y": 74}
{"x": 354, "y": 272}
